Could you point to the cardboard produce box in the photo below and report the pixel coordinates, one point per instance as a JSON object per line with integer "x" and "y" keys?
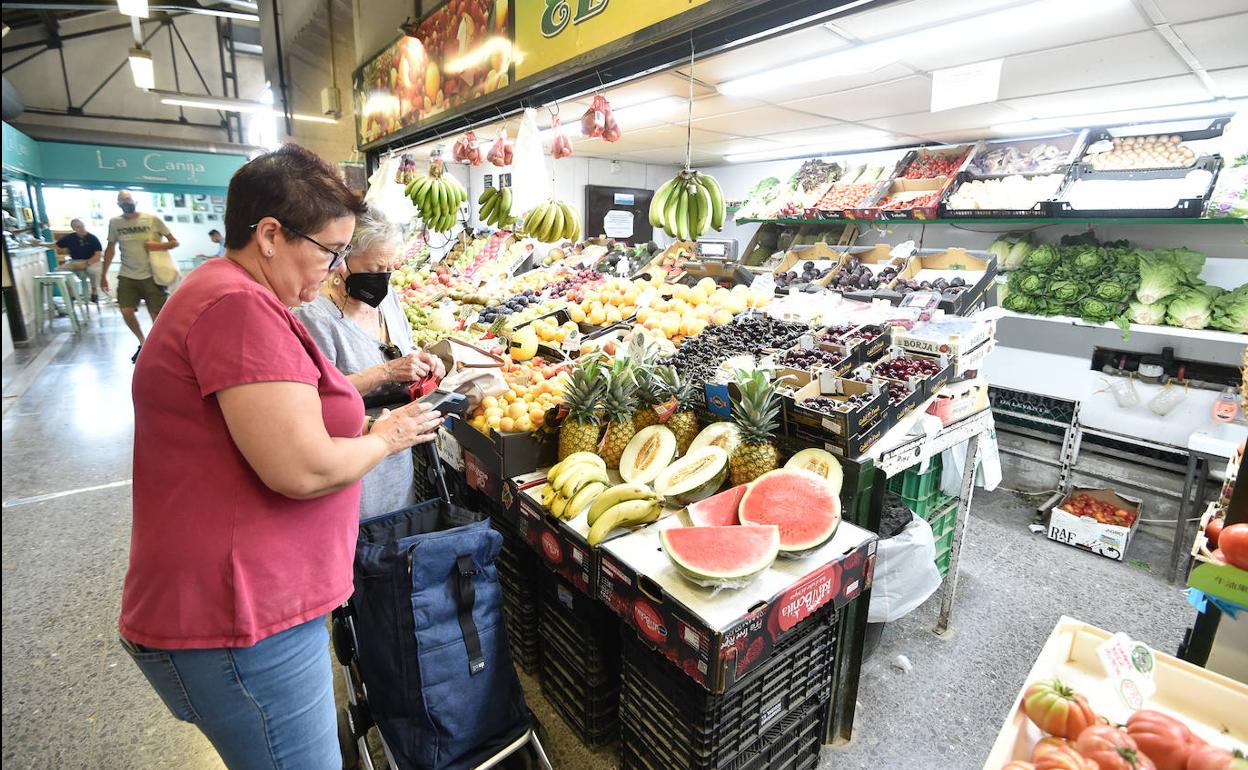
{"x": 960, "y": 400}
{"x": 840, "y": 424}
{"x": 718, "y": 636}
{"x": 504, "y": 455}
{"x": 1213, "y": 706}
{"x": 561, "y": 544}
{"x": 1108, "y": 540}
{"x": 978, "y": 269}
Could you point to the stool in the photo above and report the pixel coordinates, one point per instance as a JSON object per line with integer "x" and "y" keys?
{"x": 77, "y": 293}
{"x": 45, "y": 286}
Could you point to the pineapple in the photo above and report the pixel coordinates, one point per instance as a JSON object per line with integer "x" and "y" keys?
{"x": 683, "y": 422}
{"x": 618, "y": 405}
{"x": 648, "y": 393}
{"x": 583, "y": 397}
{"x": 754, "y": 411}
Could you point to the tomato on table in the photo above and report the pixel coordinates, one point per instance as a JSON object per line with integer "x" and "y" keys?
{"x": 1112, "y": 749}
{"x": 1165, "y": 740}
{"x": 1057, "y": 709}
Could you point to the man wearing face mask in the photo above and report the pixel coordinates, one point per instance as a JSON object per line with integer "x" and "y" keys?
{"x": 360, "y": 327}
{"x": 137, "y": 235}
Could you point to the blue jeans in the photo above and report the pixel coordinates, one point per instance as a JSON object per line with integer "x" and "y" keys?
{"x": 265, "y": 707}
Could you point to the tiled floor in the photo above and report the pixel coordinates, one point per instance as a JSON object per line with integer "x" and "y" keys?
{"x": 71, "y": 698}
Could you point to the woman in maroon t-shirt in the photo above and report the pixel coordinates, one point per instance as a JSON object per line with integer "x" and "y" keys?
{"x": 249, "y": 447}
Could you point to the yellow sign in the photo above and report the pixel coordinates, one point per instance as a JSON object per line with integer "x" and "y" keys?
{"x": 550, "y": 32}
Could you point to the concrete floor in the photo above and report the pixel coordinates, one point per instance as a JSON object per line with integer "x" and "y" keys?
{"x": 72, "y": 699}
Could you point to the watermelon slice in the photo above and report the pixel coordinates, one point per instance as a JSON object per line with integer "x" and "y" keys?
{"x": 721, "y": 555}
{"x": 804, "y": 505}
{"x": 717, "y": 510}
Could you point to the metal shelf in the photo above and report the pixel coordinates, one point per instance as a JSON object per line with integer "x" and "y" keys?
{"x": 1208, "y": 335}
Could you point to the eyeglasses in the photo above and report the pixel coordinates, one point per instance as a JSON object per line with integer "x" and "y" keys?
{"x": 391, "y": 352}
{"x": 338, "y": 256}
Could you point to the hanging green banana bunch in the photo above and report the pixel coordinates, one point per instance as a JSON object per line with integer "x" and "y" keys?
{"x": 495, "y": 207}
{"x": 552, "y": 220}
{"x": 687, "y": 205}
{"x": 437, "y": 197}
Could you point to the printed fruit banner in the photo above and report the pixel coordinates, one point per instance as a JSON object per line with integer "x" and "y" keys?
{"x": 550, "y": 32}
{"x": 461, "y": 51}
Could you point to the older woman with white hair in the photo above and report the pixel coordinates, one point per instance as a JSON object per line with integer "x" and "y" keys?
{"x": 360, "y": 326}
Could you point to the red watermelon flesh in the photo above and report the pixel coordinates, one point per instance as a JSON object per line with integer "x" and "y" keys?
{"x": 804, "y": 505}
{"x": 718, "y": 555}
{"x": 717, "y": 510}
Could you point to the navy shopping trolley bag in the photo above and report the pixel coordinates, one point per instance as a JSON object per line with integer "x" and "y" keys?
{"x": 430, "y": 639}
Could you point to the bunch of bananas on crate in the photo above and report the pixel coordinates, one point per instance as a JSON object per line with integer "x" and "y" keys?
{"x": 552, "y": 220}
{"x": 437, "y": 196}
{"x": 573, "y": 484}
{"x": 495, "y": 207}
{"x": 687, "y": 205}
{"x": 624, "y": 505}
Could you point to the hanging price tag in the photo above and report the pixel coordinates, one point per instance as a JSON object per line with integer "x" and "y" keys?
{"x": 572, "y": 342}
{"x": 828, "y": 384}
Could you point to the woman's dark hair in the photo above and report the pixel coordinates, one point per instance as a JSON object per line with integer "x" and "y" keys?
{"x": 291, "y": 184}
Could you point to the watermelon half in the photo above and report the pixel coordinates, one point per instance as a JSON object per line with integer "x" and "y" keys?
{"x": 717, "y": 510}
{"x": 721, "y": 555}
{"x": 804, "y": 505}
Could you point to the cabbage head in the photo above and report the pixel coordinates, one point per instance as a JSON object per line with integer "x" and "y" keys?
{"x": 1026, "y": 282}
{"x": 1230, "y": 311}
{"x": 1160, "y": 277}
{"x": 1192, "y": 308}
{"x": 1096, "y": 310}
{"x": 1042, "y": 257}
{"x": 1154, "y": 314}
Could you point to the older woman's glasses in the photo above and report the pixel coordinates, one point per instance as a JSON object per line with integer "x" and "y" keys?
{"x": 391, "y": 352}
{"x": 338, "y": 257}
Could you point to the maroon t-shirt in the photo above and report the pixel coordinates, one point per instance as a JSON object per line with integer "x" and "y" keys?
{"x": 217, "y": 559}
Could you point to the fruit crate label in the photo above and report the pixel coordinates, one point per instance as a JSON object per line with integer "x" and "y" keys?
{"x": 1130, "y": 665}
{"x": 449, "y": 450}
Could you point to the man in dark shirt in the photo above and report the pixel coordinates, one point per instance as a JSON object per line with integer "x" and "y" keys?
{"x": 85, "y": 251}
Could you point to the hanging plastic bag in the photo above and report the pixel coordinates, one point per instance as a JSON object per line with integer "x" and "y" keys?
{"x": 905, "y": 572}
{"x": 386, "y": 193}
{"x": 530, "y": 176}
{"x": 988, "y": 472}
{"x": 500, "y": 153}
{"x": 594, "y": 121}
{"x": 561, "y": 145}
{"x": 466, "y": 149}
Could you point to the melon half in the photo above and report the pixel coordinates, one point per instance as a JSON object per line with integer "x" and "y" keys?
{"x": 721, "y": 555}
{"x": 804, "y": 505}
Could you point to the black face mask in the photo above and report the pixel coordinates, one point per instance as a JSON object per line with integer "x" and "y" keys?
{"x": 369, "y": 288}
{"x": 127, "y": 208}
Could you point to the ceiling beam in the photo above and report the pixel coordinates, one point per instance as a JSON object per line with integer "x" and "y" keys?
{"x": 47, "y": 43}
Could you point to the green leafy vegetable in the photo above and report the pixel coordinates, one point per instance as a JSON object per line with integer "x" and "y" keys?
{"x": 1027, "y": 282}
{"x": 1160, "y": 277}
{"x": 1192, "y": 308}
{"x": 1140, "y": 313}
{"x": 1042, "y": 257}
{"x": 1230, "y": 311}
{"x": 1067, "y": 292}
{"x": 1096, "y": 310}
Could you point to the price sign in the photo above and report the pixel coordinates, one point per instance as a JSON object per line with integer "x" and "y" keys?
{"x": 902, "y": 250}
{"x": 764, "y": 284}
{"x": 572, "y": 342}
{"x": 828, "y": 382}
{"x": 806, "y": 342}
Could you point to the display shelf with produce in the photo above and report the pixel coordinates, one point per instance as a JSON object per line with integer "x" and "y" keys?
{"x": 1208, "y": 335}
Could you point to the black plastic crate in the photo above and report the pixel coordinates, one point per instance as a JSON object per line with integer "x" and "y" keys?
{"x": 696, "y": 728}
{"x": 580, "y": 660}
{"x": 591, "y": 711}
{"x": 518, "y": 572}
{"x": 792, "y": 744}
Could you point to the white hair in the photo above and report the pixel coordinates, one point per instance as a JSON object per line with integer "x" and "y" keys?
{"x": 372, "y": 229}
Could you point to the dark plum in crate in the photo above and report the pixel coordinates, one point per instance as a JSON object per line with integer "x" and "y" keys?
{"x": 833, "y": 405}
{"x": 699, "y": 357}
{"x": 808, "y": 359}
{"x": 856, "y": 276}
{"x": 955, "y": 285}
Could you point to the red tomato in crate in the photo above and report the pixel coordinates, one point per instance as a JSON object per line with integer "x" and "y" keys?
{"x": 1214, "y": 529}
{"x": 1165, "y": 740}
{"x": 1208, "y": 757}
{"x": 1057, "y": 709}
{"x": 1112, "y": 749}
{"x": 1233, "y": 543}
{"x": 1058, "y": 754}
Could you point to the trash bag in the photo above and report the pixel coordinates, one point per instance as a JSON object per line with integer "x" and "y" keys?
{"x": 988, "y": 474}
{"x": 905, "y": 572}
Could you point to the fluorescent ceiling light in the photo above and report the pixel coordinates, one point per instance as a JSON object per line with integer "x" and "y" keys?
{"x": 133, "y": 8}
{"x": 480, "y": 55}
{"x": 1143, "y": 115}
{"x": 830, "y": 147}
{"x": 142, "y": 68}
{"x": 869, "y": 57}
{"x": 239, "y": 105}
